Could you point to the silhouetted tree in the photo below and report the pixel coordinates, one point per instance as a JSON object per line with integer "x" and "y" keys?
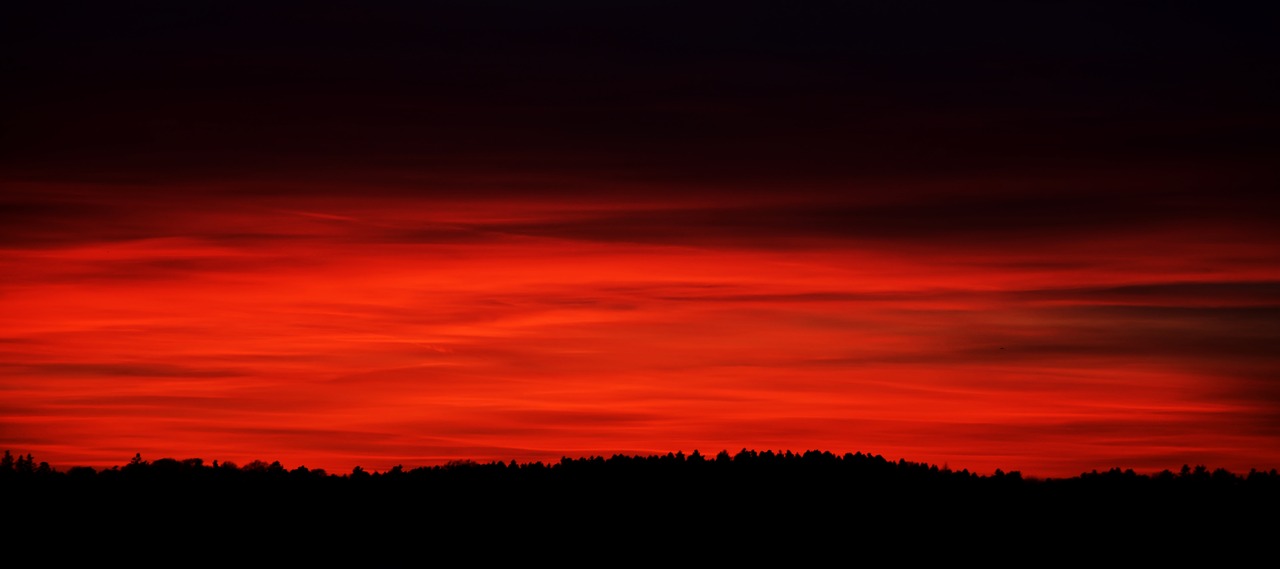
{"x": 7, "y": 464}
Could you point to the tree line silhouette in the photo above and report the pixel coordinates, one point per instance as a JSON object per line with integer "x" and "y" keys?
{"x": 816, "y": 468}
{"x": 775, "y": 477}
{"x": 813, "y": 466}
{"x": 792, "y": 500}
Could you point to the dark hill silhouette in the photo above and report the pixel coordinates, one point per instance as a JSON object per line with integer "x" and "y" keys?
{"x": 752, "y": 499}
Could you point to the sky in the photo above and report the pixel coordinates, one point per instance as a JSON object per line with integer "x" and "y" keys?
{"x": 1037, "y": 238}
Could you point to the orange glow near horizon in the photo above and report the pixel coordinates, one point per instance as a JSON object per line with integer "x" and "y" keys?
{"x": 334, "y": 332}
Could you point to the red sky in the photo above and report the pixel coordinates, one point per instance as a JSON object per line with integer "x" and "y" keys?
{"x": 982, "y": 270}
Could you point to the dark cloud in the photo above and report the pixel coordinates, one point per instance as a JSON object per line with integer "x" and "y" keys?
{"x": 305, "y": 435}
{"x": 1174, "y": 294}
{"x": 129, "y": 405}
{"x": 1174, "y": 335}
{"x": 120, "y": 369}
{"x": 30, "y": 221}
{"x": 89, "y": 273}
{"x": 574, "y": 419}
{"x": 802, "y": 297}
{"x": 1010, "y": 221}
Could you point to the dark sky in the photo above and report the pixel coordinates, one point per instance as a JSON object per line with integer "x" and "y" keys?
{"x": 719, "y": 93}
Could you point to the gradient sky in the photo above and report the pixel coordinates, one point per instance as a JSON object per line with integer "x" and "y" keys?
{"x": 1037, "y": 238}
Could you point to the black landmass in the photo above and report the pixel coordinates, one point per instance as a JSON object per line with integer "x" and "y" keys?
{"x": 745, "y": 506}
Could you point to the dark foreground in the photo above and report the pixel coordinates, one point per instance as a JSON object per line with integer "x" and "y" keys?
{"x": 747, "y": 507}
